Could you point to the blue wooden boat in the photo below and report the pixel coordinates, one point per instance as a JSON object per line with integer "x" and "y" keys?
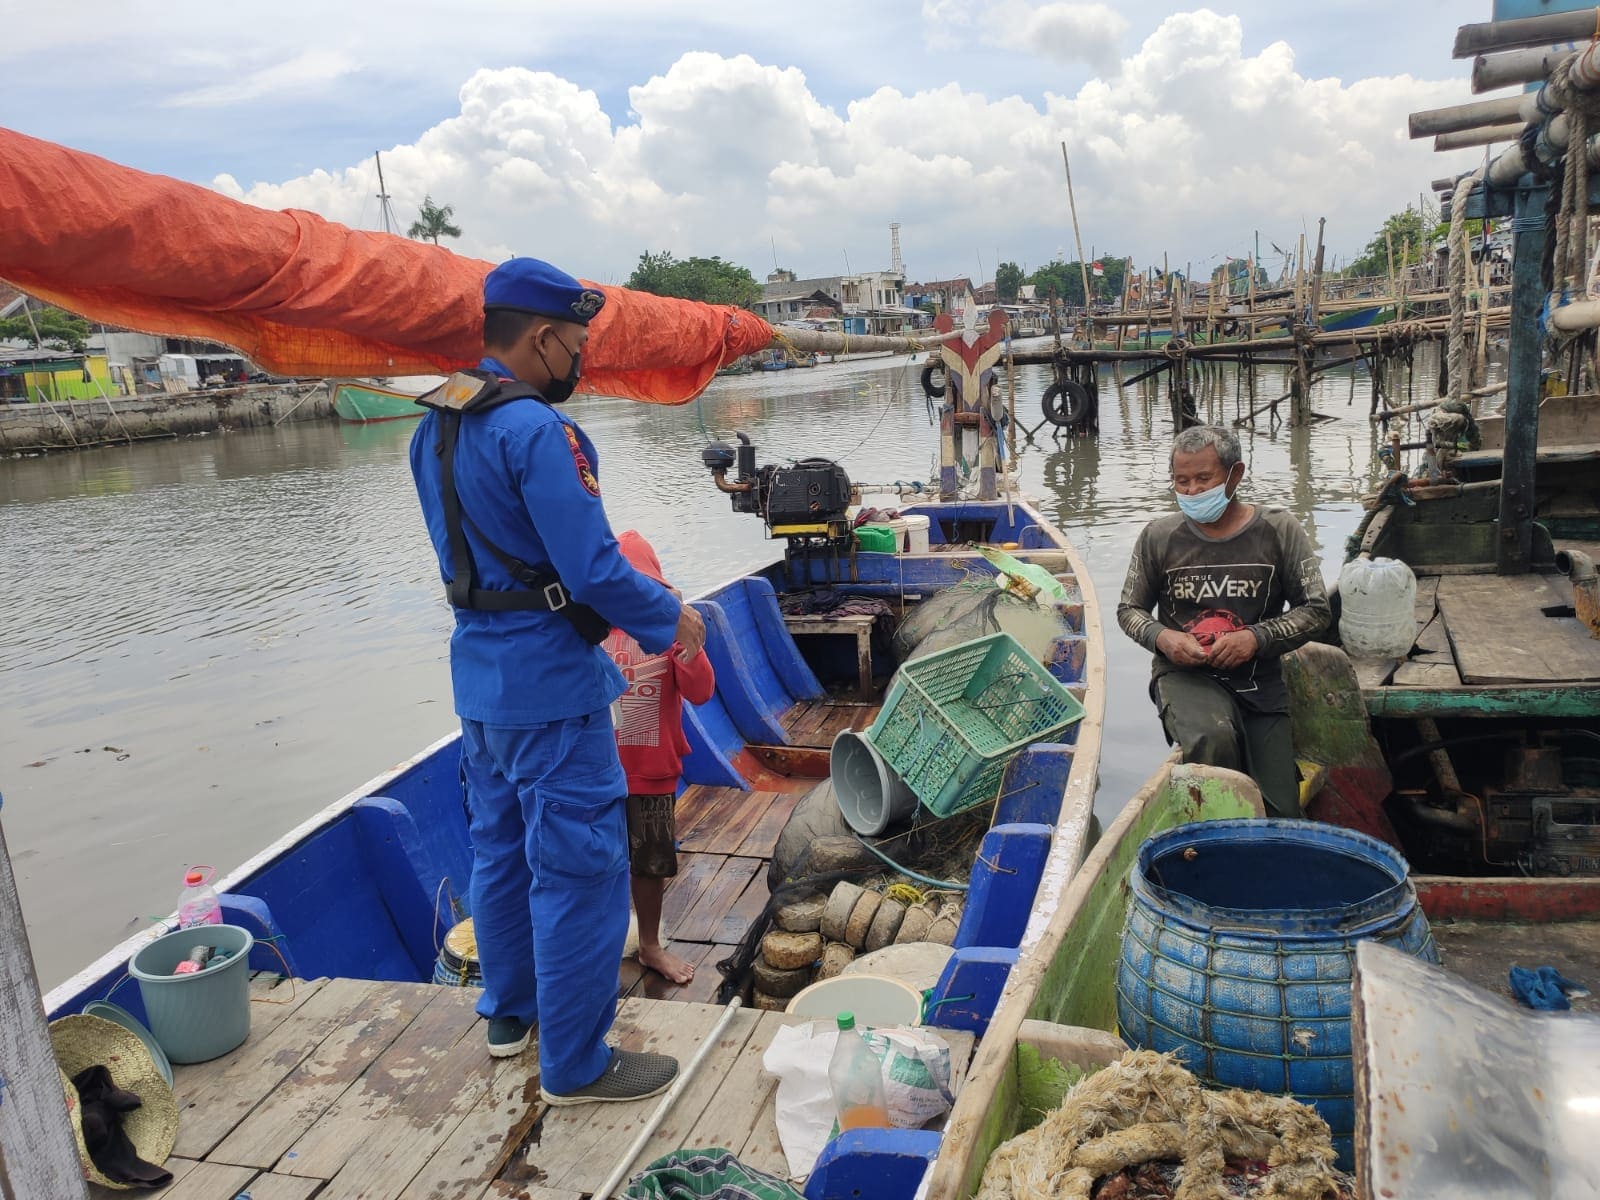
{"x": 364, "y": 890}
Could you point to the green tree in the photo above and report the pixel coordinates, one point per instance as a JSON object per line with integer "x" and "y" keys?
{"x": 433, "y": 222}
{"x": 1008, "y": 277}
{"x": 1067, "y": 279}
{"x": 711, "y": 280}
{"x": 1404, "y": 231}
{"x": 57, "y": 329}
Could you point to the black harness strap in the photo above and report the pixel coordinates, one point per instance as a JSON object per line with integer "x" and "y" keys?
{"x": 544, "y": 591}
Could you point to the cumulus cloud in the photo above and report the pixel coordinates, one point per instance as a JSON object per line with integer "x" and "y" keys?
{"x": 1060, "y": 31}
{"x": 1187, "y": 146}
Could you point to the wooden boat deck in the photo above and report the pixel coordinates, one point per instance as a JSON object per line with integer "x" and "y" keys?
{"x": 352, "y": 1088}
{"x": 1482, "y": 952}
{"x": 725, "y": 841}
{"x": 1489, "y": 643}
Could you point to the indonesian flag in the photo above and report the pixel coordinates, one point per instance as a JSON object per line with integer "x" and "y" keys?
{"x": 1098, "y": 269}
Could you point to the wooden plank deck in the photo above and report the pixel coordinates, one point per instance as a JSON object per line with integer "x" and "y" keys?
{"x": 1481, "y": 634}
{"x": 385, "y": 1091}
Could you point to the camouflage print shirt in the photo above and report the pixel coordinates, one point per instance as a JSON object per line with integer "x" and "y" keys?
{"x": 1265, "y": 578}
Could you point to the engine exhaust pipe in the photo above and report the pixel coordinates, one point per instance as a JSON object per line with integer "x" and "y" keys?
{"x": 1579, "y": 567}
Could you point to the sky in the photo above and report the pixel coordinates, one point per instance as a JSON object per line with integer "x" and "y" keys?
{"x": 788, "y": 135}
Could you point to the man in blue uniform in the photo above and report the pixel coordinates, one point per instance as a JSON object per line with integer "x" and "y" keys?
{"x": 510, "y": 491}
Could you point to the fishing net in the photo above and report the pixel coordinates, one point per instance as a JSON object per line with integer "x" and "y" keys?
{"x": 1118, "y": 1134}
{"x": 971, "y": 609}
{"x": 817, "y": 840}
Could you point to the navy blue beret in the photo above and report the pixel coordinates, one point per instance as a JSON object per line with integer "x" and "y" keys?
{"x": 531, "y": 286}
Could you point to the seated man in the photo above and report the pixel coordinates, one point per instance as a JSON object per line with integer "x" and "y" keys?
{"x": 1221, "y": 573}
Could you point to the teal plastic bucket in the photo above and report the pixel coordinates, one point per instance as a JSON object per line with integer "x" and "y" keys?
{"x": 205, "y": 1014}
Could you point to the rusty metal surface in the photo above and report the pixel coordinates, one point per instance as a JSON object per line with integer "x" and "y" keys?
{"x": 1509, "y": 898}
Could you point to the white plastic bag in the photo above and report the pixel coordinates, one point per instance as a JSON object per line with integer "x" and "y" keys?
{"x": 916, "y": 1084}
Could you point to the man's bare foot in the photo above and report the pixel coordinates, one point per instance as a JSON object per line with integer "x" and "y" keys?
{"x": 668, "y": 965}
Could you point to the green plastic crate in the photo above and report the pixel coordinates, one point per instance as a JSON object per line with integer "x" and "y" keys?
{"x": 954, "y": 719}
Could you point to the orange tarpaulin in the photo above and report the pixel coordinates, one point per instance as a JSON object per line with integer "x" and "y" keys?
{"x": 300, "y": 295}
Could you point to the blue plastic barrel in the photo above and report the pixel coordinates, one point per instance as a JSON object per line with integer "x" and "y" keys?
{"x": 1238, "y": 952}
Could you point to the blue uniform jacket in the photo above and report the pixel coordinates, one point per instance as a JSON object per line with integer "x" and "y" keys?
{"x": 529, "y": 478}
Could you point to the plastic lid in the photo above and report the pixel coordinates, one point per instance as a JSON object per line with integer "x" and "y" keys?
{"x": 194, "y": 879}
{"x": 847, "y": 1020}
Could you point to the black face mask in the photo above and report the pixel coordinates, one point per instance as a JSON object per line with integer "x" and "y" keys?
{"x": 559, "y": 391}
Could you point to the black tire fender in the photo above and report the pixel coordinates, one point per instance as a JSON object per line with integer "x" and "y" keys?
{"x": 928, "y": 387}
{"x": 1066, "y": 403}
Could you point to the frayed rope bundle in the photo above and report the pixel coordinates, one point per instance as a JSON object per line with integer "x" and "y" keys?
{"x": 1145, "y": 1107}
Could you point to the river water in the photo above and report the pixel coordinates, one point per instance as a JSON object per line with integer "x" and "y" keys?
{"x": 205, "y": 641}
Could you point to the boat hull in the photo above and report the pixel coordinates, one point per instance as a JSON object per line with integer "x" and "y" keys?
{"x": 364, "y": 403}
{"x": 390, "y": 858}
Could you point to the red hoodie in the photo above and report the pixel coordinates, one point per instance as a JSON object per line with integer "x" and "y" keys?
{"x": 650, "y": 737}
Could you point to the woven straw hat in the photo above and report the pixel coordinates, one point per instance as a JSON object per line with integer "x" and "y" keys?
{"x": 81, "y": 1042}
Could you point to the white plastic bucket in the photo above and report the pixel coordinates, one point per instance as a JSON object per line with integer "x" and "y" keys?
{"x": 871, "y": 796}
{"x": 898, "y": 524}
{"x": 876, "y": 1000}
{"x": 916, "y": 533}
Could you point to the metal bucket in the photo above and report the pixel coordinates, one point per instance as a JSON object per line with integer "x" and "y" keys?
{"x": 1238, "y": 953}
{"x": 203, "y": 1015}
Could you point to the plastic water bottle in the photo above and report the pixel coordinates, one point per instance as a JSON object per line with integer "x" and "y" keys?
{"x": 856, "y": 1078}
{"x": 199, "y": 904}
{"x": 1377, "y": 608}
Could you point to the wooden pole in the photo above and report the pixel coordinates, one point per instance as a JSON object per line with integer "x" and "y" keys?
{"x": 1514, "y": 546}
{"x": 38, "y": 1155}
{"x": 1545, "y": 30}
{"x": 1493, "y": 71}
{"x": 1077, "y": 239}
{"x": 1498, "y": 111}
{"x": 1300, "y": 410}
{"x": 850, "y": 343}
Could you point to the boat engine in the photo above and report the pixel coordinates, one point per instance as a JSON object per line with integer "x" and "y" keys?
{"x": 1540, "y": 816}
{"x": 805, "y": 502}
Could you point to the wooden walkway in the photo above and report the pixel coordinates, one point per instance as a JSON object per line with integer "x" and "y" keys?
{"x": 384, "y": 1091}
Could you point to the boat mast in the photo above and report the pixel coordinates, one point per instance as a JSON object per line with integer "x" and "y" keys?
{"x": 383, "y": 195}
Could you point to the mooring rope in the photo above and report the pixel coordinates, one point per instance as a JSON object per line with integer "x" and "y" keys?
{"x": 1460, "y": 254}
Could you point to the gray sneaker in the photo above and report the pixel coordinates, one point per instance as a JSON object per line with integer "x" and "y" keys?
{"x": 631, "y": 1075}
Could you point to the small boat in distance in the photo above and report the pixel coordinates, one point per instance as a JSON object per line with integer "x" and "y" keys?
{"x": 367, "y": 400}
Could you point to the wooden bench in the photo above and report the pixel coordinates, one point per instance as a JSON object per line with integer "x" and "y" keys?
{"x": 845, "y": 625}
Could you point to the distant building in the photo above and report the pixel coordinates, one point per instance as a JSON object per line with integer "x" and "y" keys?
{"x": 953, "y": 296}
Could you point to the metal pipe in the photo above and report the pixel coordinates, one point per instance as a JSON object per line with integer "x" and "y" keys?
{"x": 1579, "y": 567}
{"x": 1482, "y": 135}
{"x": 1465, "y": 116}
{"x": 1493, "y": 71}
{"x": 620, "y": 1171}
{"x": 720, "y": 478}
{"x": 1527, "y": 31}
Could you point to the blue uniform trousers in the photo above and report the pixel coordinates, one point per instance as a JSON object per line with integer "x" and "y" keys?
{"x": 549, "y": 890}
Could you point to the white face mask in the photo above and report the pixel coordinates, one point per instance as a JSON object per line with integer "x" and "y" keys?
{"x": 1205, "y": 507}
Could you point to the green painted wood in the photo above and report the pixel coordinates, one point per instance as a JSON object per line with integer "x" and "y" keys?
{"x": 1533, "y": 700}
{"x": 1079, "y": 985}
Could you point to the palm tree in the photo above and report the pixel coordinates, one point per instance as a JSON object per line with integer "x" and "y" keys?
{"x": 433, "y": 222}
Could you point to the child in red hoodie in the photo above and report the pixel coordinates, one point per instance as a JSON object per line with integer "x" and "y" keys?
{"x": 651, "y": 745}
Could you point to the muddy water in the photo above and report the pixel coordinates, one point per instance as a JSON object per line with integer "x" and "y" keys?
{"x": 205, "y": 641}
